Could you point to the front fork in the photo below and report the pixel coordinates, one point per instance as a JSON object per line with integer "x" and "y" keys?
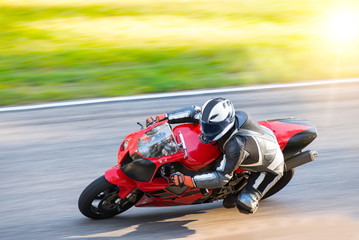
{"x": 126, "y": 185}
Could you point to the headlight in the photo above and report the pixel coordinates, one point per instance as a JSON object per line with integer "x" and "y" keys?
{"x": 124, "y": 145}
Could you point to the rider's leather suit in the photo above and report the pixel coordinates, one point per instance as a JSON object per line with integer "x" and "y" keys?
{"x": 249, "y": 145}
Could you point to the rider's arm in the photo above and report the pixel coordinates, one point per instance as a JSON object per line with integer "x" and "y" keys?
{"x": 187, "y": 114}
{"x": 233, "y": 157}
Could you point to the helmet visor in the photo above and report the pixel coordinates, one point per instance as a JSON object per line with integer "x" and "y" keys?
{"x": 210, "y": 131}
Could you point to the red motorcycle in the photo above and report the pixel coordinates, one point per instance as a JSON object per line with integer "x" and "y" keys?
{"x": 148, "y": 157}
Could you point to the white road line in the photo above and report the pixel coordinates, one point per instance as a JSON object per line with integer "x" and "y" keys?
{"x": 176, "y": 94}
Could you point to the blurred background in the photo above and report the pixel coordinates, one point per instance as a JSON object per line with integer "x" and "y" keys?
{"x": 69, "y": 49}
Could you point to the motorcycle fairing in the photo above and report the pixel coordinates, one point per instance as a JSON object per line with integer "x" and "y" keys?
{"x": 199, "y": 154}
{"x": 158, "y": 193}
{"x": 292, "y": 134}
{"x": 140, "y": 170}
{"x": 138, "y": 167}
{"x": 115, "y": 176}
{"x": 147, "y": 201}
{"x": 301, "y": 139}
{"x": 143, "y": 169}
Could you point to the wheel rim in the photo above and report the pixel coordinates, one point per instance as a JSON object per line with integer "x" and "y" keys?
{"x": 106, "y": 202}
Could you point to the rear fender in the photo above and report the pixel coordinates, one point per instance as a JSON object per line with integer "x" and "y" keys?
{"x": 116, "y": 176}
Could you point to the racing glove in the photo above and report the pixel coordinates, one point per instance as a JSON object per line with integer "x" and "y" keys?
{"x": 182, "y": 180}
{"x": 154, "y": 119}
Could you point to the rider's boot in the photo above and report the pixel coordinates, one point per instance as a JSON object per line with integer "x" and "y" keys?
{"x": 248, "y": 200}
{"x": 258, "y": 185}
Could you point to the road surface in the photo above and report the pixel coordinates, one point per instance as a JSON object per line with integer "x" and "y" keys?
{"x": 48, "y": 156}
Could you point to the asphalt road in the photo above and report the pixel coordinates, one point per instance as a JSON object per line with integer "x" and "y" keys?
{"x": 49, "y": 156}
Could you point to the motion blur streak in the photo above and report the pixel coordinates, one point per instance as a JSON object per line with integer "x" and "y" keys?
{"x": 78, "y": 49}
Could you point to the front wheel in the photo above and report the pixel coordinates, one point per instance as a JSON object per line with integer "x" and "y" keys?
{"x": 100, "y": 200}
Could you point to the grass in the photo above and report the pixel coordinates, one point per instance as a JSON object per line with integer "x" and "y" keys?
{"x": 51, "y": 50}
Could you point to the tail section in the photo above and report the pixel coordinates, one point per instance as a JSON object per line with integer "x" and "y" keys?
{"x": 293, "y": 135}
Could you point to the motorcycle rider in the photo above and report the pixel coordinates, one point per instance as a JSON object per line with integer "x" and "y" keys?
{"x": 243, "y": 142}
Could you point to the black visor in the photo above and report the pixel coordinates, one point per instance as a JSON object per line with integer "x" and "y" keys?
{"x": 210, "y": 131}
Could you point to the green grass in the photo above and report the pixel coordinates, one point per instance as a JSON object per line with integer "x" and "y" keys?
{"x": 78, "y": 49}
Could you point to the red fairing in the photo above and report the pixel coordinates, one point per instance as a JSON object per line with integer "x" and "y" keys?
{"x": 159, "y": 196}
{"x": 284, "y": 131}
{"x": 116, "y": 176}
{"x": 160, "y": 202}
{"x": 199, "y": 154}
{"x": 131, "y": 139}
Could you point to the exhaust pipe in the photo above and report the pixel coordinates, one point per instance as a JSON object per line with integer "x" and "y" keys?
{"x": 300, "y": 159}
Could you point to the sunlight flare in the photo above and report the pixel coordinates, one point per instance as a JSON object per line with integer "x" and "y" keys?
{"x": 343, "y": 25}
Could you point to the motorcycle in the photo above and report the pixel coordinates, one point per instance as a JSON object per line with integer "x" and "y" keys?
{"x": 148, "y": 157}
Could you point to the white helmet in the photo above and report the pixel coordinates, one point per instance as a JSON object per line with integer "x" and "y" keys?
{"x": 218, "y": 117}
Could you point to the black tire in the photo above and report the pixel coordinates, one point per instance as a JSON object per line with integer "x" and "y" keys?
{"x": 285, "y": 179}
{"x": 100, "y": 200}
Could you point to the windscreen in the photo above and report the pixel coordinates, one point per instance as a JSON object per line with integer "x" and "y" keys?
{"x": 157, "y": 142}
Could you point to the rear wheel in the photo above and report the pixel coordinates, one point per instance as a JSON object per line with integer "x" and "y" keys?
{"x": 285, "y": 179}
{"x": 100, "y": 200}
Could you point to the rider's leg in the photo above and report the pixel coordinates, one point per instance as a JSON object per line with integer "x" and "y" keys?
{"x": 258, "y": 185}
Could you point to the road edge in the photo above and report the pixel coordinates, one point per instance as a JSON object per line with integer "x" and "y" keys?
{"x": 175, "y": 94}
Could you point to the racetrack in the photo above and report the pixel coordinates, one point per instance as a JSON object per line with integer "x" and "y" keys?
{"x": 48, "y": 156}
